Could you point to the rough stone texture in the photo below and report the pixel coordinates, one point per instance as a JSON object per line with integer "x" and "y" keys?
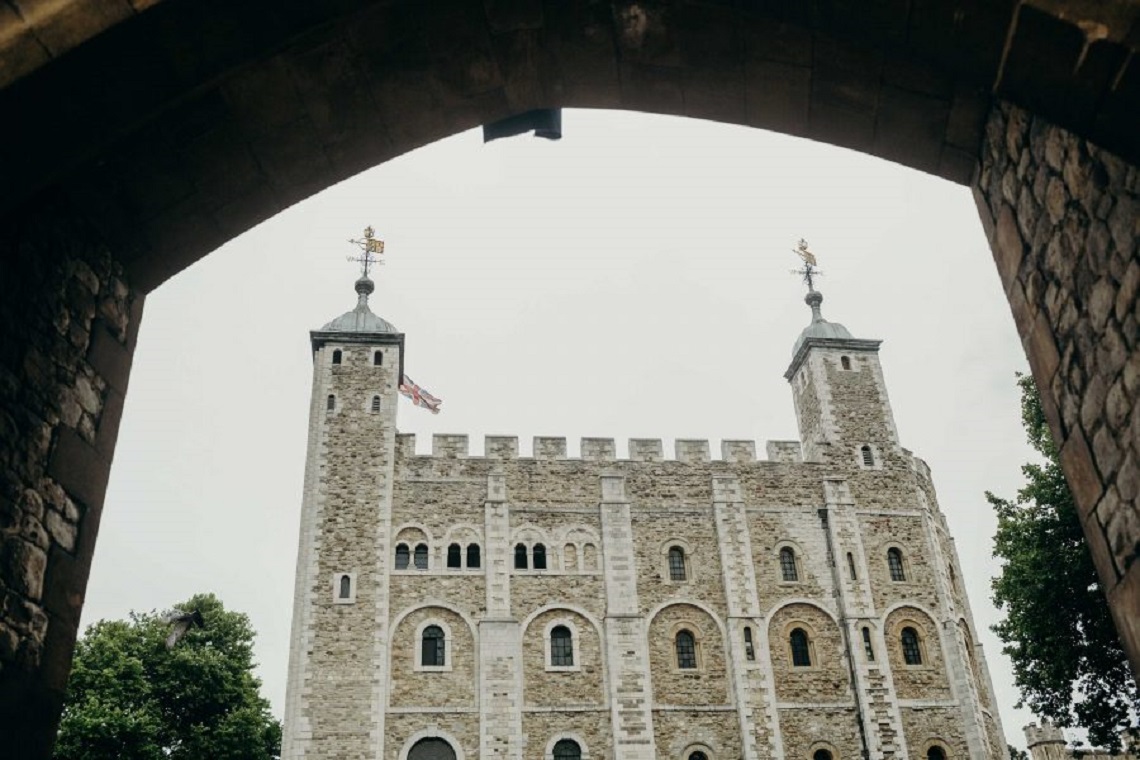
{"x": 1063, "y": 217}
{"x": 1047, "y": 742}
{"x": 606, "y": 527}
{"x": 70, "y": 320}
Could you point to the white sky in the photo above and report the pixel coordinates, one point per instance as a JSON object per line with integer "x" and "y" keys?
{"x": 631, "y": 280}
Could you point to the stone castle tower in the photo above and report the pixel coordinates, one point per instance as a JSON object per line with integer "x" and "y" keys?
{"x": 499, "y": 607}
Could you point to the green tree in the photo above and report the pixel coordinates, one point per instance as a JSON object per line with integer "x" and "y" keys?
{"x": 1067, "y": 659}
{"x": 132, "y": 698}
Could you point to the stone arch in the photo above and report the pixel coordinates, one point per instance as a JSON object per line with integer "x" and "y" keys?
{"x": 708, "y": 683}
{"x": 573, "y": 736}
{"x": 544, "y": 686}
{"x": 455, "y": 685}
{"x": 930, "y": 678}
{"x": 428, "y": 734}
{"x": 827, "y": 671}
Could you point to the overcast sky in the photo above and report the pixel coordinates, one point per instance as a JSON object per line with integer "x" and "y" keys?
{"x": 631, "y": 280}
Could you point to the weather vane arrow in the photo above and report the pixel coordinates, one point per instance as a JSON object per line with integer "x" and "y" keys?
{"x": 370, "y": 247}
{"x": 809, "y": 271}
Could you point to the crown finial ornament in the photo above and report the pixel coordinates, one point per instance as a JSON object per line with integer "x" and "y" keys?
{"x": 370, "y": 247}
{"x": 809, "y": 271}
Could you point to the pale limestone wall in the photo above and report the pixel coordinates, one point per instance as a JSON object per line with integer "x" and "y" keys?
{"x": 708, "y": 683}
{"x": 581, "y": 685}
{"x": 928, "y": 726}
{"x": 806, "y": 730}
{"x": 827, "y": 678}
{"x": 929, "y": 679}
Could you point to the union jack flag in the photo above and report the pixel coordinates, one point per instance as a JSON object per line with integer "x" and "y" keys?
{"x": 418, "y": 395}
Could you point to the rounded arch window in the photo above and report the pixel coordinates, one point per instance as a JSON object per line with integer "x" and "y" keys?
{"x": 539, "y": 557}
{"x": 895, "y": 564}
{"x": 330, "y": 403}
{"x": 567, "y": 749}
{"x": 378, "y": 358}
{"x": 345, "y": 591}
{"x": 788, "y": 570}
{"x": 822, "y": 754}
{"x": 473, "y": 559}
{"x": 868, "y": 456}
{"x": 420, "y": 558}
{"x": 433, "y": 647}
{"x": 431, "y": 749}
{"x": 677, "y": 569}
{"x": 801, "y": 648}
{"x": 375, "y": 407}
{"x": 454, "y": 556}
{"x": 935, "y": 753}
{"x": 844, "y": 362}
{"x": 561, "y": 647}
{"x": 336, "y": 357}
{"x": 698, "y": 755}
{"x": 403, "y": 557}
{"x": 911, "y": 648}
{"x": 686, "y": 645}
{"x": 520, "y": 557}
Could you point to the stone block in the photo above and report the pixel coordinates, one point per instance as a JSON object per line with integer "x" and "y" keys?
{"x": 405, "y": 445}
{"x": 22, "y": 565}
{"x": 1008, "y": 248}
{"x": 449, "y": 445}
{"x": 690, "y": 450}
{"x": 549, "y": 448}
{"x": 738, "y": 451}
{"x": 784, "y": 451}
{"x": 501, "y": 446}
{"x": 646, "y": 449}
{"x": 1081, "y": 473}
{"x": 598, "y": 449}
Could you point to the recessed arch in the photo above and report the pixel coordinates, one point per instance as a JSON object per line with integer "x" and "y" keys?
{"x": 428, "y": 734}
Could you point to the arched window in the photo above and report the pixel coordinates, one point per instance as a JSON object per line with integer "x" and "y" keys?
{"x": 561, "y": 646}
{"x": 912, "y": 652}
{"x": 749, "y": 650}
{"x": 788, "y": 564}
{"x": 801, "y": 651}
{"x": 455, "y": 556}
{"x": 472, "y": 555}
{"x": 402, "y": 557}
{"x": 870, "y": 650}
{"x": 375, "y": 404}
{"x": 431, "y": 749}
{"x": 378, "y": 358}
{"x": 345, "y": 587}
{"x": 539, "y": 557}
{"x": 698, "y": 756}
{"x": 822, "y": 754}
{"x": 844, "y": 362}
{"x": 895, "y": 564}
{"x": 421, "y": 557}
{"x": 570, "y": 557}
{"x": 520, "y": 557}
{"x": 567, "y": 749}
{"x": 433, "y": 647}
{"x": 686, "y": 650}
{"x": 589, "y": 557}
{"x": 868, "y": 456}
{"x": 851, "y": 566}
{"x": 935, "y": 753}
{"x": 336, "y": 356}
{"x": 677, "y": 564}
{"x": 330, "y": 403}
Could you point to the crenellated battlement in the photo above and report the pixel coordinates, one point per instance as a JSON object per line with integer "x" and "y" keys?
{"x": 687, "y": 450}
{"x": 1046, "y": 733}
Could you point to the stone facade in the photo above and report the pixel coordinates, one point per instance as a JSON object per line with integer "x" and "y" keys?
{"x": 648, "y": 607}
{"x": 1046, "y": 742}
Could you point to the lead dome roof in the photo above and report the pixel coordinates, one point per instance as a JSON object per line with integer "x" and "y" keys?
{"x": 361, "y": 319}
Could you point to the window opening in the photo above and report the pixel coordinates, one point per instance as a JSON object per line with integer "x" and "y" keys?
{"x": 402, "y": 557}
{"x": 822, "y": 754}
{"x": 336, "y": 356}
{"x": 455, "y": 556}
{"x": 561, "y": 646}
{"x": 845, "y": 362}
{"x": 567, "y": 749}
{"x": 330, "y": 403}
{"x": 788, "y": 565}
{"x": 912, "y": 653}
{"x": 935, "y": 753}
{"x": 421, "y": 557}
{"x": 676, "y": 564}
{"x": 570, "y": 557}
{"x": 868, "y": 457}
{"x": 432, "y": 647}
{"x": 539, "y": 557}
{"x": 431, "y": 749}
{"x": 686, "y": 650}
{"x": 345, "y": 587}
{"x": 801, "y": 653}
{"x": 378, "y": 358}
{"x": 870, "y": 650}
{"x": 895, "y": 564}
{"x": 749, "y": 651}
{"x": 851, "y": 566}
{"x": 520, "y": 556}
{"x": 698, "y": 756}
{"x": 472, "y": 555}
{"x": 375, "y": 404}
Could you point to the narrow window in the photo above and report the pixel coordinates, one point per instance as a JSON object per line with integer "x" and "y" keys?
{"x": 336, "y": 356}
{"x": 378, "y": 358}
{"x": 676, "y": 564}
{"x": 375, "y": 404}
{"x": 567, "y": 749}
{"x": 749, "y": 650}
{"x": 788, "y": 564}
{"x": 870, "y": 650}
{"x": 801, "y": 653}
{"x": 420, "y": 557}
{"x": 589, "y": 557}
{"x": 455, "y": 556}
{"x": 330, "y": 403}
{"x": 402, "y": 557}
{"x": 686, "y": 650}
{"x": 472, "y": 555}
{"x": 845, "y": 362}
{"x": 345, "y": 587}
{"x": 433, "y": 647}
{"x": 520, "y": 556}
{"x": 912, "y": 654}
{"x": 539, "y": 557}
{"x": 895, "y": 564}
{"x": 570, "y": 557}
{"x": 851, "y": 566}
{"x": 935, "y": 753}
{"x": 561, "y": 647}
{"x": 822, "y": 754}
{"x": 868, "y": 457}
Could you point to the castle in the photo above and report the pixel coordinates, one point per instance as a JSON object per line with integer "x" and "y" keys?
{"x": 808, "y": 605}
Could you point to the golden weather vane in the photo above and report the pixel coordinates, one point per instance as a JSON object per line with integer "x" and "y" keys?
{"x": 809, "y": 271}
{"x": 370, "y": 247}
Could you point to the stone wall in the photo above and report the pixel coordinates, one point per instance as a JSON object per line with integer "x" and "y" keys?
{"x": 70, "y": 320}
{"x": 1063, "y": 220}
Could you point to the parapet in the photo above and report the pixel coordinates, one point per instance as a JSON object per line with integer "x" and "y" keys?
{"x": 687, "y": 450}
{"x": 1046, "y": 733}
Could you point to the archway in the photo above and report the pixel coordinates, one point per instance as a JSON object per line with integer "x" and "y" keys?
{"x": 431, "y": 749}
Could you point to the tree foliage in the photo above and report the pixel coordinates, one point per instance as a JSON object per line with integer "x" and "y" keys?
{"x": 132, "y": 698}
{"x": 1067, "y": 659}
